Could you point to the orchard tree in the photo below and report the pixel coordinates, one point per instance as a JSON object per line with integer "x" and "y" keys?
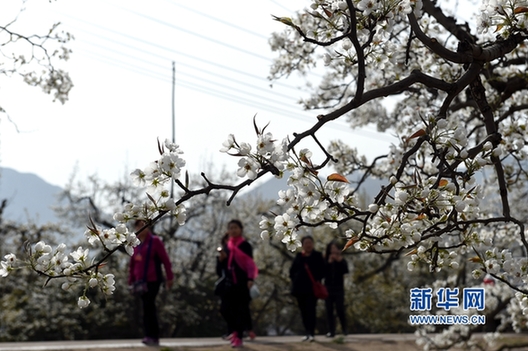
{"x": 35, "y": 57}
{"x": 455, "y": 184}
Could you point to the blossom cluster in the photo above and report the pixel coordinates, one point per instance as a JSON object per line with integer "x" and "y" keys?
{"x": 417, "y": 207}
{"x": 56, "y": 263}
{"x": 79, "y": 268}
{"x": 112, "y": 238}
{"x": 157, "y": 178}
{"x": 503, "y": 16}
{"x": 504, "y": 265}
{"x": 308, "y": 200}
{"x": 56, "y": 82}
{"x": 267, "y": 153}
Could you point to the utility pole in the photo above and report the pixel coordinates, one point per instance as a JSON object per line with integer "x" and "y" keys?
{"x": 173, "y": 130}
{"x": 173, "y": 101}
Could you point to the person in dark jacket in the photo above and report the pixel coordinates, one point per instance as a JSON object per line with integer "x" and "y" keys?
{"x": 149, "y": 255}
{"x": 240, "y": 271}
{"x": 302, "y": 288}
{"x": 335, "y": 269}
{"x": 221, "y": 271}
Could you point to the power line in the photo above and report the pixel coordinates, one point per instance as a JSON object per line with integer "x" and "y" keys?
{"x": 225, "y": 96}
{"x": 218, "y": 20}
{"x": 207, "y": 38}
{"x": 194, "y": 58}
{"x": 170, "y": 25}
{"x": 198, "y": 87}
{"x": 282, "y": 106}
{"x": 281, "y": 111}
{"x": 230, "y": 79}
{"x": 282, "y": 6}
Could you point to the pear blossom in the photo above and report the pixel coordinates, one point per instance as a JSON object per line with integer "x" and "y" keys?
{"x": 292, "y": 241}
{"x": 83, "y": 302}
{"x": 284, "y": 223}
{"x": 248, "y": 168}
{"x": 373, "y": 208}
{"x": 139, "y": 177}
{"x": 80, "y": 255}
{"x": 4, "y": 269}
{"x": 267, "y": 227}
{"x": 10, "y": 259}
{"x": 93, "y": 282}
{"x": 309, "y": 193}
{"x": 337, "y": 191}
{"x": 244, "y": 149}
{"x": 171, "y": 164}
{"x": 108, "y": 284}
{"x": 265, "y": 144}
{"x": 367, "y": 6}
{"x": 285, "y": 197}
{"x": 41, "y": 248}
{"x": 228, "y": 144}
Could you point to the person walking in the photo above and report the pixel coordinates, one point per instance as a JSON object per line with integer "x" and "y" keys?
{"x": 221, "y": 271}
{"x": 220, "y": 285}
{"x": 145, "y": 267}
{"x": 302, "y": 289}
{"x": 335, "y": 269}
{"x": 241, "y": 271}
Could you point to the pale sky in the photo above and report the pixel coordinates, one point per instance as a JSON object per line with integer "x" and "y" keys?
{"x": 121, "y": 67}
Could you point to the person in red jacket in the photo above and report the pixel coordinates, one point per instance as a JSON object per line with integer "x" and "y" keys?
{"x": 150, "y": 255}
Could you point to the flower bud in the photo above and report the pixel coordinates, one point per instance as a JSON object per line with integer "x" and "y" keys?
{"x": 83, "y": 302}
{"x": 92, "y": 282}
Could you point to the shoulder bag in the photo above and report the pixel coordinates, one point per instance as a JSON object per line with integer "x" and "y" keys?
{"x": 319, "y": 289}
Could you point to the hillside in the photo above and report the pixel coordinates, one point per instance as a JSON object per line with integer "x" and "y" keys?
{"x": 29, "y": 197}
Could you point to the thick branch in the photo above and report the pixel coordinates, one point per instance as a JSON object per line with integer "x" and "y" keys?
{"x": 471, "y": 52}
{"x": 471, "y": 74}
{"x": 392, "y": 89}
{"x": 435, "y": 46}
{"x": 461, "y": 32}
{"x": 479, "y": 94}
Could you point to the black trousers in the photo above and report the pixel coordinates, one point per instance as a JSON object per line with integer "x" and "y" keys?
{"x": 307, "y": 304}
{"x": 150, "y": 313}
{"x": 235, "y": 309}
{"x": 337, "y": 299}
{"x": 225, "y": 313}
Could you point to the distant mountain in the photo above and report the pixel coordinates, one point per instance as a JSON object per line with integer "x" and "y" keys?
{"x": 29, "y": 197}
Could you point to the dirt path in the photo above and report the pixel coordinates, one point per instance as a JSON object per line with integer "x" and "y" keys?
{"x": 356, "y": 342}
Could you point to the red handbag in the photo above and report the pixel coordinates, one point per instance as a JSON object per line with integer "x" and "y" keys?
{"x": 319, "y": 289}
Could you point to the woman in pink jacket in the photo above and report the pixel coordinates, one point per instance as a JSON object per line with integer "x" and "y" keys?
{"x": 145, "y": 265}
{"x": 241, "y": 271}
